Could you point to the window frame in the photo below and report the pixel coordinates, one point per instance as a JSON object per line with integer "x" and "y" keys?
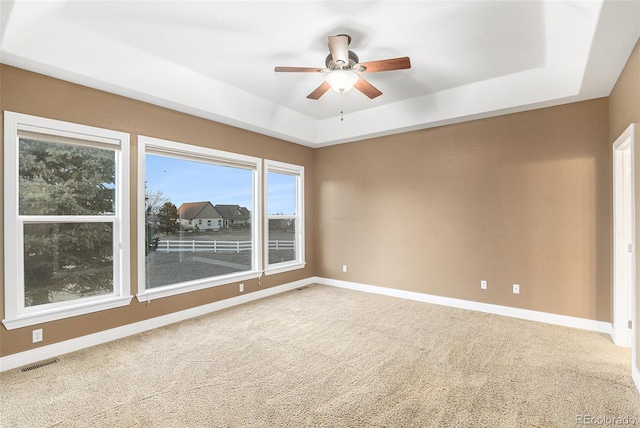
{"x": 160, "y": 147}
{"x": 298, "y": 172}
{"x": 16, "y": 315}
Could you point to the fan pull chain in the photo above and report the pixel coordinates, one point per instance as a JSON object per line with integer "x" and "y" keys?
{"x": 341, "y": 106}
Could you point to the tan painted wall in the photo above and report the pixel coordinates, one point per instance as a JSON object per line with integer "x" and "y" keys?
{"x": 624, "y": 103}
{"x": 523, "y": 198}
{"x": 624, "y": 109}
{"x": 34, "y": 94}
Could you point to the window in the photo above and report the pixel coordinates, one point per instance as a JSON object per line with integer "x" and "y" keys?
{"x": 284, "y": 220}
{"x": 175, "y": 257}
{"x": 66, "y": 244}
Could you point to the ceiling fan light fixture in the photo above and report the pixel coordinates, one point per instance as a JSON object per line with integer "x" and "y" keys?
{"x": 343, "y": 68}
{"x": 342, "y": 80}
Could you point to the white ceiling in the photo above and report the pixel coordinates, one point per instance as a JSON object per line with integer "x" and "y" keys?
{"x": 216, "y": 59}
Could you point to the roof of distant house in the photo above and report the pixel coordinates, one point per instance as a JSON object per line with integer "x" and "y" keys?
{"x": 233, "y": 212}
{"x": 190, "y": 210}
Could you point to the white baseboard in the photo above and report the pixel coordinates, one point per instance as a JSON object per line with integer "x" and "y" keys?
{"x": 49, "y": 351}
{"x": 526, "y": 314}
{"x": 635, "y": 373}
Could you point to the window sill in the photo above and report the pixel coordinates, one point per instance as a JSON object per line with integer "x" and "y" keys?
{"x": 43, "y": 316}
{"x": 186, "y": 287}
{"x": 284, "y": 267}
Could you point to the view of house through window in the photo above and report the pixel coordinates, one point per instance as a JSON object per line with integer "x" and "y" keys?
{"x": 198, "y": 219}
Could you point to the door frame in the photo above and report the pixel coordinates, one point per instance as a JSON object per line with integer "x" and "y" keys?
{"x": 624, "y": 261}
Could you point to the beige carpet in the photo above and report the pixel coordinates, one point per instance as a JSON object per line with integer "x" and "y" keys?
{"x": 329, "y": 357}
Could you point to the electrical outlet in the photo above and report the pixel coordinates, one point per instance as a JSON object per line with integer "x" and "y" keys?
{"x": 344, "y": 268}
{"x": 483, "y": 284}
{"x": 241, "y": 288}
{"x": 516, "y": 288}
{"x": 37, "y": 335}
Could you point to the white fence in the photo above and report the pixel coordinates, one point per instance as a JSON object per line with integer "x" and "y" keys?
{"x": 169, "y": 246}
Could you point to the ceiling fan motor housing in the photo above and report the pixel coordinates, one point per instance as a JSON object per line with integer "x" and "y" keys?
{"x": 353, "y": 60}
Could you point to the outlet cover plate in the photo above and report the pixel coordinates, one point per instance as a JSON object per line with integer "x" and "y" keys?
{"x": 37, "y": 335}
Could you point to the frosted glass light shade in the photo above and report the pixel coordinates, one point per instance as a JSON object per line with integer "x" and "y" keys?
{"x": 341, "y": 80}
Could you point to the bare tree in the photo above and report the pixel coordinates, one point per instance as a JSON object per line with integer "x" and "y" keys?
{"x": 154, "y": 199}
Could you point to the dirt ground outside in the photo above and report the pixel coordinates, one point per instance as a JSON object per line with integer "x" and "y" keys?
{"x": 223, "y": 235}
{"x": 164, "y": 268}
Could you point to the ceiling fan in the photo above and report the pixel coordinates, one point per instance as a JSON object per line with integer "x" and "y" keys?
{"x": 343, "y": 69}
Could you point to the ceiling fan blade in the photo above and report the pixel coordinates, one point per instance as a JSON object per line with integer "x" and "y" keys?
{"x": 298, "y": 69}
{"x": 319, "y": 91}
{"x": 384, "y": 65}
{"x": 367, "y": 88}
{"x": 339, "y": 48}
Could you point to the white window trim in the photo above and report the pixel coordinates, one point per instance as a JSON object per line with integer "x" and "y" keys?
{"x": 150, "y": 145}
{"x": 298, "y": 172}
{"x": 16, "y": 315}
